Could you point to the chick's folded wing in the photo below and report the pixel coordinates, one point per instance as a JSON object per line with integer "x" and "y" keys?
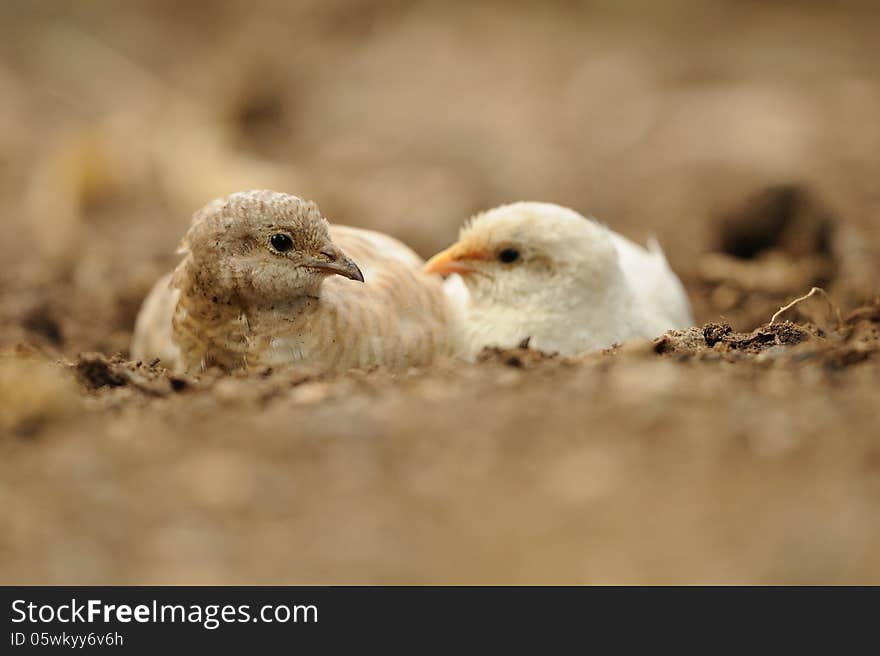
{"x": 653, "y": 281}
{"x": 399, "y": 314}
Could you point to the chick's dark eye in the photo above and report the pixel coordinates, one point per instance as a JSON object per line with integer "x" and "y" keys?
{"x": 508, "y": 255}
{"x": 281, "y": 242}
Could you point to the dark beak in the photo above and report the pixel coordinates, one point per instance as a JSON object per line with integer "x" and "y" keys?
{"x": 337, "y": 264}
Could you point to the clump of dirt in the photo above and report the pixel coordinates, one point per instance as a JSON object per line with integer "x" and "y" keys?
{"x": 780, "y": 334}
{"x": 522, "y": 357}
{"x": 856, "y": 339}
{"x": 96, "y": 371}
{"x": 722, "y": 338}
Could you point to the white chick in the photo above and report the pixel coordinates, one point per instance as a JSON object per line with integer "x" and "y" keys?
{"x": 566, "y": 283}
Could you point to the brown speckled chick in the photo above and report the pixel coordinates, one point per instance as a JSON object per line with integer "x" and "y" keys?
{"x": 267, "y": 281}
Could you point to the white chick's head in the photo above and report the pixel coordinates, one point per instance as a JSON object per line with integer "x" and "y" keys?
{"x": 263, "y": 247}
{"x": 530, "y": 254}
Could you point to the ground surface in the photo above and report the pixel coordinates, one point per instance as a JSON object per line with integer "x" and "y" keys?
{"x": 744, "y": 136}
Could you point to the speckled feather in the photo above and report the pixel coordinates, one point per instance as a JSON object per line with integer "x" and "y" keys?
{"x": 234, "y": 304}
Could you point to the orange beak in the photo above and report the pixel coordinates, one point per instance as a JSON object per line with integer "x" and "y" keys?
{"x": 453, "y": 260}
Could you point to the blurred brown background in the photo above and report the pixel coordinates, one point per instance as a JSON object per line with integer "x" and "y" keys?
{"x": 119, "y": 119}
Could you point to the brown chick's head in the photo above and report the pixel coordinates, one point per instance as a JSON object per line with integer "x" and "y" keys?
{"x": 264, "y": 248}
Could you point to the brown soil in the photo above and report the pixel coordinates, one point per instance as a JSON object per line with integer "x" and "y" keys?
{"x": 737, "y": 451}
